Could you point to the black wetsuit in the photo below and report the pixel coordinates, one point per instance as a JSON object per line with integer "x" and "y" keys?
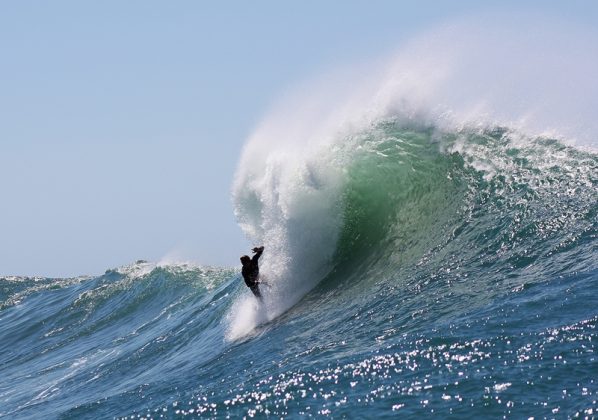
{"x": 251, "y": 273}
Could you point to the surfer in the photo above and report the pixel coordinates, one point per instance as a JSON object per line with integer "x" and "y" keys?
{"x": 251, "y": 271}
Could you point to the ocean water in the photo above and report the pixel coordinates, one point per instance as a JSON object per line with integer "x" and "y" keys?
{"x": 461, "y": 283}
{"x": 431, "y": 249}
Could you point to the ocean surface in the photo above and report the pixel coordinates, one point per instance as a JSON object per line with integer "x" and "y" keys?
{"x": 431, "y": 249}
{"x": 412, "y": 271}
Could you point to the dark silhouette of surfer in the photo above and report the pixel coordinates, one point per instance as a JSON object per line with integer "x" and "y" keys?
{"x": 251, "y": 271}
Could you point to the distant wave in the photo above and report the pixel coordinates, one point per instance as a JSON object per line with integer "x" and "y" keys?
{"x": 62, "y": 336}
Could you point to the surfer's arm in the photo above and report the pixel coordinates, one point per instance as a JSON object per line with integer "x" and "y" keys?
{"x": 258, "y": 253}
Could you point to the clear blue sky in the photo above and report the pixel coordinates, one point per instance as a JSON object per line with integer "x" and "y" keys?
{"x": 121, "y": 122}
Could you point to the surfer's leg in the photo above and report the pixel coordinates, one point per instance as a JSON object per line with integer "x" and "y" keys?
{"x": 256, "y": 292}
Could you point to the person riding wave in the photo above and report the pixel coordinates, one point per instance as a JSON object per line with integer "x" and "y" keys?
{"x": 251, "y": 271}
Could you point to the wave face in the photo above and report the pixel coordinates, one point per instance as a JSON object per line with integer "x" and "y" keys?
{"x": 426, "y": 253}
{"x": 477, "y": 204}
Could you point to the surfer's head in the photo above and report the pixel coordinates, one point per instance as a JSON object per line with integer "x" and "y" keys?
{"x": 245, "y": 259}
